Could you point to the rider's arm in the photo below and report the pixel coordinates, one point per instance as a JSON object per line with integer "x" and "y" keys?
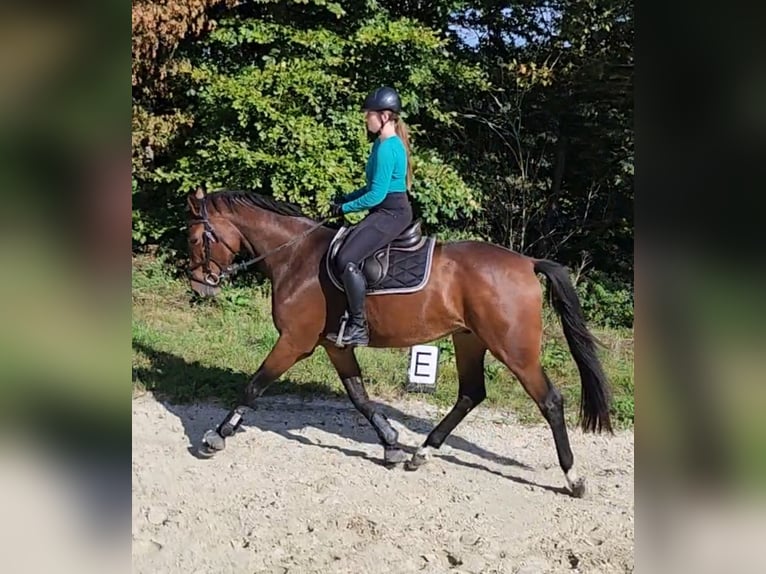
{"x": 354, "y": 194}
{"x": 377, "y": 189}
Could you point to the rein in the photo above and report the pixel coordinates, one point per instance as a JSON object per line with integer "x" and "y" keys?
{"x": 234, "y": 269}
{"x": 214, "y": 279}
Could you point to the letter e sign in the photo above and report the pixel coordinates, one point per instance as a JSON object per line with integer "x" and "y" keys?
{"x": 424, "y": 360}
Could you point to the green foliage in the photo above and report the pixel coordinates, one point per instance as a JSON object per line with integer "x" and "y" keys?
{"x": 555, "y": 356}
{"x": 606, "y": 300}
{"x": 550, "y": 146}
{"x": 623, "y": 410}
{"x": 446, "y": 349}
{"x": 140, "y": 234}
{"x": 623, "y": 387}
{"x": 276, "y": 106}
{"x": 522, "y": 137}
{"x": 439, "y": 193}
{"x": 151, "y": 224}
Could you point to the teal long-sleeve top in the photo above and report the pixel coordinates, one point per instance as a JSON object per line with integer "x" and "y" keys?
{"x": 386, "y": 172}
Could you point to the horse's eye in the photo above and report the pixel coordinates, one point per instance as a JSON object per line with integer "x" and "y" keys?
{"x": 196, "y": 241}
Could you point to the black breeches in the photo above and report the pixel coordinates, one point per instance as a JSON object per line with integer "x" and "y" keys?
{"x": 381, "y": 226}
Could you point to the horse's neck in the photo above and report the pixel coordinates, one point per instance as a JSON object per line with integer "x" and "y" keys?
{"x": 269, "y": 231}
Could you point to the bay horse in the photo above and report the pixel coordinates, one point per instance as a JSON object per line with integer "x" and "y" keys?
{"x": 487, "y": 297}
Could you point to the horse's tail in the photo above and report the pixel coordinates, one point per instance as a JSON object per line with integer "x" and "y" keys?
{"x": 595, "y": 397}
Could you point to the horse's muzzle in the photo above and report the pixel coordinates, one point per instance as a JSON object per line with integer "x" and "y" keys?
{"x": 206, "y": 288}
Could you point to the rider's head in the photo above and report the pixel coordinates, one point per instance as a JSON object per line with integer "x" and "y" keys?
{"x": 381, "y": 106}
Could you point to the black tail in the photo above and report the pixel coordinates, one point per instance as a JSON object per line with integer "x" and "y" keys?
{"x": 595, "y": 398}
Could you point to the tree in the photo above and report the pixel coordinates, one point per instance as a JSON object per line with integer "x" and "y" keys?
{"x": 521, "y": 113}
{"x": 268, "y": 99}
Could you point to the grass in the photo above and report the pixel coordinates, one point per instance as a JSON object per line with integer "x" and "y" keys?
{"x": 188, "y": 350}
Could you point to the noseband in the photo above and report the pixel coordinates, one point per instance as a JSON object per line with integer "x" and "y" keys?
{"x": 209, "y": 236}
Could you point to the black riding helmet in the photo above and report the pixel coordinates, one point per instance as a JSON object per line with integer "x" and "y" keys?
{"x": 384, "y": 98}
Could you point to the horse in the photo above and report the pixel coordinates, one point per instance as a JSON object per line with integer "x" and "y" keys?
{"x": 486, "y": 297}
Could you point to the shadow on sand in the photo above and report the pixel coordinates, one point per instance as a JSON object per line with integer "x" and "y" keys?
{"x": 167, "y": 373}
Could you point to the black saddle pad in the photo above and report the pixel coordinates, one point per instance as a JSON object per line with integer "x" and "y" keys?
{"x": 408, "y": 269}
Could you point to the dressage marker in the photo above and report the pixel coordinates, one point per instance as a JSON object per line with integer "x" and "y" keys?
{"x": 424, "y": 369}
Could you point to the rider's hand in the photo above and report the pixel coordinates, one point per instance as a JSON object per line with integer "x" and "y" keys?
{"x": 335, "y": 209}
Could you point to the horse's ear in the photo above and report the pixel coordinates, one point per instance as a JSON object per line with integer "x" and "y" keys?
{"x": 193, "y": 200}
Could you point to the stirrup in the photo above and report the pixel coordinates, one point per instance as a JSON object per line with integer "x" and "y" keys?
{"x": 337, "y": 338}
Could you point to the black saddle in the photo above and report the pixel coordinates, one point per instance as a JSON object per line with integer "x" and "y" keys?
{"x": 376, "y": 266}
{"x": 410, "y": 237}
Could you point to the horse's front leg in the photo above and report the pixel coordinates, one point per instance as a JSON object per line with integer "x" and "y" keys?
{"x": 350, "y": 374}
{"x": 285, "y": 353}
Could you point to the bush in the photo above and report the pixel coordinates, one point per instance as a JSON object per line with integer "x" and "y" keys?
{"x": 605, "y": 300}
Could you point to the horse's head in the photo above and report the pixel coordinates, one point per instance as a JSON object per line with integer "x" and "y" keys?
{"x": 213, "y": 243}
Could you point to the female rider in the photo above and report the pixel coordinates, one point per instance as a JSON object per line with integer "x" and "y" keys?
{"x": 388, "y": 178}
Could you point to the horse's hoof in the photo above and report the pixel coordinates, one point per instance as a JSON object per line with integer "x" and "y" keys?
{"x": 394, "y": 455}
{"x": 418, "y": 459}
{"x": 577, "y": 488}
{"x": 212, "y": 443}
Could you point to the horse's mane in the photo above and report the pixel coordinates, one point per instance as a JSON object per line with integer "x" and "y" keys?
{"x": 232, "y": 198}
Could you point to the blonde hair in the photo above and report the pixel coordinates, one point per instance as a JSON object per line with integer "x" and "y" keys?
{"x": 404, "y": 134}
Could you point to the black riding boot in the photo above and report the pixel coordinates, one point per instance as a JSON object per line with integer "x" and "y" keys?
{"x": 354, "y": 283}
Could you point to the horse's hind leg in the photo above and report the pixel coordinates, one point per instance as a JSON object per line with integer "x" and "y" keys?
{"x": 350, "y": 374}
{"x": 469, "y": 356}
{"x": 551, "y": 405}
{"x": 526, "y": 366}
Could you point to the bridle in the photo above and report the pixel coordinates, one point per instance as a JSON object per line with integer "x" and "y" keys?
{"x": 209, "y": 236}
